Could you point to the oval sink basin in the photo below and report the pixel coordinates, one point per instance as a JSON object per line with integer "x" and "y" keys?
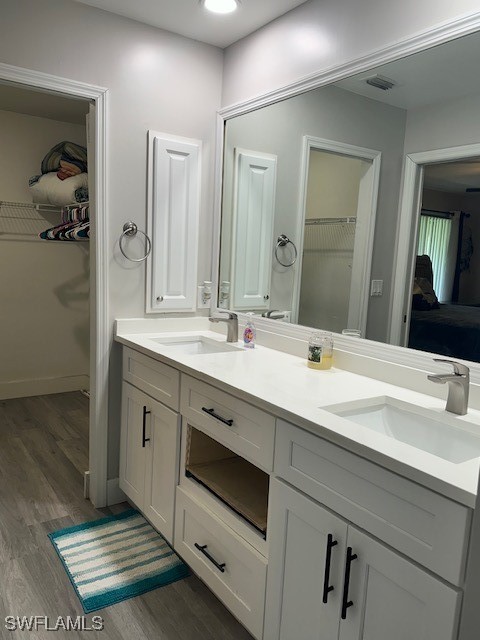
{"x": 193, "y": 345}
{"x": 442, "y": 435}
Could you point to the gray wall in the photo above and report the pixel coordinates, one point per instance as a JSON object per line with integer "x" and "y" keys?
{"x": 334, "y": 114}
{"x": 156, "y": 80}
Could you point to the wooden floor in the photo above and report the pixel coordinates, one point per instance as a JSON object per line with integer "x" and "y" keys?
{"x": 43, "y": 454}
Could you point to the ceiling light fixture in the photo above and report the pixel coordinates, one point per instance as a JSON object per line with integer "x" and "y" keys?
{"x": 221, "y": 6}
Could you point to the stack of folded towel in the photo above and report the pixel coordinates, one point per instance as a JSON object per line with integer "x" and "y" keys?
{"x": 64, "y": 178}
{"x": 75, "y": 225}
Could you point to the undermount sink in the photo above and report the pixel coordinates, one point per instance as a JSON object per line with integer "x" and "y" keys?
{"x": 439, "y": 434}
{"x": 193, "y": 345}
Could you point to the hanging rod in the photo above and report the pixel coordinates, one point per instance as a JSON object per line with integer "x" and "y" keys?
{"x": 435, "y": 213}
{"x": 348, "y": 220}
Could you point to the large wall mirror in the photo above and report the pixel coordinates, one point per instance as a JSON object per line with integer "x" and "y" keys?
{"x": 322, "y": 190}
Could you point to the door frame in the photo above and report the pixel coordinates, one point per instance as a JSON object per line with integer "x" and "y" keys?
{"x": 101, "y": 339}
{"x": 407, "y": 231}
{"x": 366, "y": 229}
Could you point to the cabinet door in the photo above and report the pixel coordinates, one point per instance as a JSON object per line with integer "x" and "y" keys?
{"x": 161, "y": 468}
{"x": 304, "y": 562}
{"x": 255, "y": 178}
{"x": 394, "y": 599}
{"x": 174, "y": 168}
{"x": 132, "y": 447}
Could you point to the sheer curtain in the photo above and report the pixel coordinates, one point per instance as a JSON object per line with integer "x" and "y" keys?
{"x": 438, "y": 237}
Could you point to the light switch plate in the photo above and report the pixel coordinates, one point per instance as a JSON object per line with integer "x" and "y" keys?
{"x": 376, "y": 288}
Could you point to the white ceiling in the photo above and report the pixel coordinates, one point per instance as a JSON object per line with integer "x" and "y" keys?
{"x": 42, "y": 105}
{"x": 447, "y": 71}
{"x": 453, "y": 177}
{"x": 189, "y": 18}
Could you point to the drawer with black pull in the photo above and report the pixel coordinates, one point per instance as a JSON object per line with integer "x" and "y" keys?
{"x": 236, "y": 424}
{"x": 231, "y": 567}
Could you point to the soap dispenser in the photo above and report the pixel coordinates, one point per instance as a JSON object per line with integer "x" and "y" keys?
{"x": 249, "y": 333}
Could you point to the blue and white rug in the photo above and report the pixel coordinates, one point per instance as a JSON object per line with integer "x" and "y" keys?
{"x": 116, "y": 558}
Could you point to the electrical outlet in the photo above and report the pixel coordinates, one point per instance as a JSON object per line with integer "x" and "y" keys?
{"x": 201, "y": 302}
{"x": 376, "y": 288}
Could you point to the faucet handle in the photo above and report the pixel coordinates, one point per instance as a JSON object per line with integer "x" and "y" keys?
{"x": 458, "y": 368}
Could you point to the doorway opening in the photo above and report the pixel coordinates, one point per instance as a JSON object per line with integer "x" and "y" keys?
{"x": 336, "y": 227}
{"x": 445, "y": 302}
{"x": 96, "y": 325}
{"x": 436, "y": 301}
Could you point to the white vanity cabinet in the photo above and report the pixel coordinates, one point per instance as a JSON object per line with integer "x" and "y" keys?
{"x": 330, "y": 575}
{"x": 300, "y": 538}
{"x": 149, "y": 445}
{"x": 327, "y": 580}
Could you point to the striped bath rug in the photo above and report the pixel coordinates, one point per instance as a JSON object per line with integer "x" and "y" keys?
{"x": 116, "y": 558}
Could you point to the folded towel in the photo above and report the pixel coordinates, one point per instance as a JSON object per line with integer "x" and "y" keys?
{"x": 48, "y": 189}
{"x": 69, "y": 152}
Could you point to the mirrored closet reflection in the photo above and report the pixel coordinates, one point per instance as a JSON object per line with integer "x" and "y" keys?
{"x": 327, "y": 171}
{"x": 44, "y": 283}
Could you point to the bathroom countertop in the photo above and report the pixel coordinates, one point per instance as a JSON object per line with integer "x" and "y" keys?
{"x": 283, "y": 385}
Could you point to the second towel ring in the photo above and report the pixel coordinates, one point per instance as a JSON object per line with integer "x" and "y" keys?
{"x": 130, "y": 229}
{"x": 282, "y": 241}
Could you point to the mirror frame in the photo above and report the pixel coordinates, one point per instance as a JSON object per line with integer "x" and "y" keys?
{"x": 410, "y": 46}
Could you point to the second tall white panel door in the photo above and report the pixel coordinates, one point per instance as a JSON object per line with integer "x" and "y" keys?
{"x": 254, "y": 208}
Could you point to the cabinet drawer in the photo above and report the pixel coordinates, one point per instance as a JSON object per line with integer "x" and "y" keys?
{"x": 250, "y": 432}
{"x": 155, "y": 378}
{"x": 240, "y": 583}
{"x": 420, "y": 523}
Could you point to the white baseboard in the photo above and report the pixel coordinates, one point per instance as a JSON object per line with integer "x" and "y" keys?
{"x": 114, "y": 494}
{"x": 42, "y": 386}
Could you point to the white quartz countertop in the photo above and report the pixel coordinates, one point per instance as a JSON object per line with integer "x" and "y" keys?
{"x": 283, "y": 385}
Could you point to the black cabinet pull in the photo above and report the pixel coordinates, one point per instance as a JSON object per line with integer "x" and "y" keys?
{"x": 211, "y": 412}
{"x": 144, "y": 426}
{"x": 346, "y": 603}
{"x": 326, "y": 587}
{"x": 203, "y": 549}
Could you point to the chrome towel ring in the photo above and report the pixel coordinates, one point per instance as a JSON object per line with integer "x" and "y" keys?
{"x": 282, "y": 241}
{"x": 130, "y": 230}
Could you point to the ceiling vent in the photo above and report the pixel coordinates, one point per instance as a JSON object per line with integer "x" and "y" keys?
{"x": 379, "y": 82}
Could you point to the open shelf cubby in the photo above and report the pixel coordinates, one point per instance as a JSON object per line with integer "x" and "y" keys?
{"x": 238, "y": 483}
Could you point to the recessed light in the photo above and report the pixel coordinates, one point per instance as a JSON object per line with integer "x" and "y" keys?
{"x": 221, "y": 6}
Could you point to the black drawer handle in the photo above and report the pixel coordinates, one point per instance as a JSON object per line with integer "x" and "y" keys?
{"x": 326, "y": 587}
{"x": 211, "y": 412}
{"x": 144, "y": 426}
{"x": 346, "y": 603}
{"x": 203, "y": 549}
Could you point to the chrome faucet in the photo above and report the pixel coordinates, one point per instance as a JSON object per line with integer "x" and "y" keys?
{"x": 458, "y": 386}
{"x": 232, "y": 325}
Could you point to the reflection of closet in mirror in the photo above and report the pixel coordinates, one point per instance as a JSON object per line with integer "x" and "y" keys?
{"x": 336, "y": 239}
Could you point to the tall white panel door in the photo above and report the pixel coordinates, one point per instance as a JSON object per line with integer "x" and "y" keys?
{"x": 132, "y": 446}
{"x": 392, "y": 599}
{"x": 173, "y": 220}
{"x": 254, "y": 208}
{"x": 305, "y": 569}
{"x": 161, "y": 468}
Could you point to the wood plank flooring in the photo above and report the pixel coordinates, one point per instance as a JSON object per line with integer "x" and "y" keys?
{"x": 43, "y": 453}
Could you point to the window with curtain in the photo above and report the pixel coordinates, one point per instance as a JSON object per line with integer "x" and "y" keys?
{"x": 436, "y": 239}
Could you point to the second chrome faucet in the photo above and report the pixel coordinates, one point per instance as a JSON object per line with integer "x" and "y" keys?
{"x": 458, "y": 386}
